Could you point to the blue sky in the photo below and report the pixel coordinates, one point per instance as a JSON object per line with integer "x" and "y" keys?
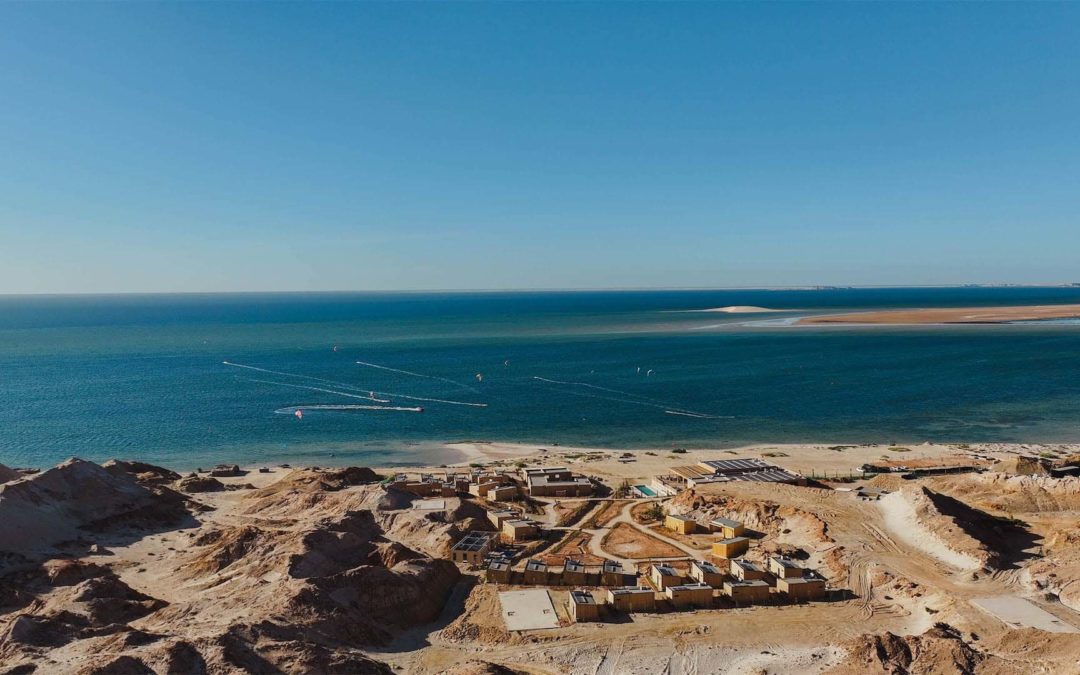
{"x": 203, "y": 147}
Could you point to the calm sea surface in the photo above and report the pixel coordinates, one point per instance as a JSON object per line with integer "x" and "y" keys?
{"x": 143, "y": 376}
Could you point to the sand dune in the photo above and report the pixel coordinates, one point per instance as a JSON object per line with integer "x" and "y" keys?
{"x": 742, "y": 309}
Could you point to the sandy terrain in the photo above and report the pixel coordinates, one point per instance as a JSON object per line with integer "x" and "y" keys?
{"x": 323, "y": 571}
{"x": 946, "y": 315}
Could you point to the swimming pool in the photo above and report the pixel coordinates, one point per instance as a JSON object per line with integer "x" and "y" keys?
{"x": 645, "y": 490}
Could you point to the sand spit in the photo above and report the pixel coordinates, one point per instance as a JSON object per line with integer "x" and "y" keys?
{"x": 950, "y": 315}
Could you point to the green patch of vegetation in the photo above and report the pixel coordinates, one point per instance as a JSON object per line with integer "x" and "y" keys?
{"x": 774, "y": 454}
{"x": 477, "y": 465}
{"x": 899, "y": 449}
{"x": 679, "y": 451}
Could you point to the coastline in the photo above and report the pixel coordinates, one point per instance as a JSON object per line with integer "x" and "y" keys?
{"x": 946, "y": 316}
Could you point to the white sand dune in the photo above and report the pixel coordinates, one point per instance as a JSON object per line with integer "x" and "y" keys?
{"x": 742, "y": 309}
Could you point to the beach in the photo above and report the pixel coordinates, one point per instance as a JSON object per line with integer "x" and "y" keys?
{"x": 949, "y": 315}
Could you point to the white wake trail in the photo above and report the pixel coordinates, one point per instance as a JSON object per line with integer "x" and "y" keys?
{"x": 304, "y": 377}
{"x": 412, "y": 374}
{"x": 291, "y": 410}
{"x": 598, "y": 387}
{"x": 325, "y": 391}
{"x": 665, "y": 408}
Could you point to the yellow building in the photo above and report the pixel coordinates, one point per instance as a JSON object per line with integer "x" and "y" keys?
{"x": 631, "y": 599}
{"x": 801, "y": 588}
{"x": 680, "y": 524}
{"x": 663, "y": 576}
{"x": 689, "y": 595}
{"x": 583, "y": 607}
{"x": 707, "y": 573}
{"x": 612, "y": 574}
{"x": 536, "y": 572}
{"x": 747, "y": 592}
{"x": 784, "y": 568}
{"x": 574, "y": 573}
{"x": 744, "y": 570}
{"x": 498, "y": 572}
{"x": 731, "y": 548}
{"x": 519, "y": 530}
{"x": 728, "y": 528}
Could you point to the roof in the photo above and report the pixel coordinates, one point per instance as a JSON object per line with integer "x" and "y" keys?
{"x": 748, "y": 582}
{"x": 685, "y": 519}
{"x": 630, "y": 590}
{"x": 746, "y": 565}
{"x": 499, "y": 565}
{"x": 474, "y": 541}
{"x": 518, "y": 522}
{"x": 582, "y": 598}
{"x": 706, "y": 566}
{"x": 612, "y": 566}
{"x": 784, "y": 562}
{"x": 726, "y": 522}
{"x": 735, "y": 465}
{"x": 732, "y": 540}
{"x": 690, "y": 587}
{"x": 666, "y": 570}
{"x": 573, "y": 564}
{"x": 536, "y": 565}
{"x": 803, "y": 580}
{"x": 690, "y": 471}
{"x": 774, "y": 475}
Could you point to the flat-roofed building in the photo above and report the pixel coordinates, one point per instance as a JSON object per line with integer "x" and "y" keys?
{"x": 503, "y": 493}
{"x": 498, "y": 571}
{"x": 801, "y": 588}
{"x": 663, "y": 576}
{"x": 689, "y": 595}
{"x": 583, "y": 607}
{"x": 731, "y": 548}
{"x": 556, "y": 482}
{"x": 705, "y": 572}
{"x": 536, "y": 572}
{"x": 632, "y": 599}
{"x": 520, "y": 530}
{"x": 746, "y": 592}
{"x": 744, "y": 570}
{"x": 612, "y": 574}
{"x": 473, "y": 547}
{"x": 724, "y": 467}
{"x": 723, "y": 470}
{"x": 680, "y": 524}
{"x": 728, "y": 528}
{"x": 574, "y": 573}
{"x": 784, "y": 568}
{"x": 499, "y": 517}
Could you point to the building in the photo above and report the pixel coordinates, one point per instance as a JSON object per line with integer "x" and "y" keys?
{"x": 498, "y": 572}
{"x": 729, "y": 529}
{"x": 744, "y": 570}
{"x": 663, "y": 576}
{"x": 583, "y": 607}
{"x": 801, "y": 588}
{"x": 473, "y": 547}
{"x": 574, "y": 573}
{"x": 556, "y": 482}
{"x": 680, "y": 524}
{"x": 731, "y": 548}
{"x": 520, "y": 530}
{"x": 503, "y": 493}
{"x": 632, "y": 599}
{"x": 425, "y": 485}
{"x": 723, "y": 470}
{"x": 706, "y": 573}
{"x": 536, "y": 572}
{"x": 784, "y": 568}
{"x": 499, "y": 517}
{"x": 747, "y": 592}
{"x": 690, "y": 595}
{"x": 612, "y": 574}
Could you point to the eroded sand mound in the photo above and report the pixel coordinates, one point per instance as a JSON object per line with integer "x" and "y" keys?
{"x": 939, "y": 650}
{"x": 74, "y": 498}
{"x": 1002, "y": 493}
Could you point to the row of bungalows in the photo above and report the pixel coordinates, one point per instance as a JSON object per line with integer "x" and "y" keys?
{"x": 428, "y": 485}
{"x": 726, "y": 527}
{"x": 556, "y": 482}
{"x": 571, "y": 573}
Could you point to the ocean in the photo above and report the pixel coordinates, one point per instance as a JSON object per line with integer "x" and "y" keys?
{"x": 144, "y": 376}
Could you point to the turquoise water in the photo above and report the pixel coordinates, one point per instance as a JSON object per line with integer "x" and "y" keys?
{"x": 143, "y": 376}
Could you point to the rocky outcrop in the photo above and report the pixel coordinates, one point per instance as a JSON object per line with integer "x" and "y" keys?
{"x": 940, "y": 650}
{"x": 7, "y": 475}
{"x": 65, "y": 502}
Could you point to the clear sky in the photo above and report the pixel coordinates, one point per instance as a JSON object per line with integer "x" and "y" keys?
{"x": 210, "y": 146}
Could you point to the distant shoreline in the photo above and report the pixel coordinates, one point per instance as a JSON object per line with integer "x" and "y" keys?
{"x": 948, "y": 315}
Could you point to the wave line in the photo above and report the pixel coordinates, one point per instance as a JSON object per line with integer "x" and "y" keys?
{"x": 411, "y": 373}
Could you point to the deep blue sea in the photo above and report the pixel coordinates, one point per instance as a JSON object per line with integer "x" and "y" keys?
{"x": 142, "y": 376}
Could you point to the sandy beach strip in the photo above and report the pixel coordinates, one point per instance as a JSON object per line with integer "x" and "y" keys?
{"x": 949, "y": 315}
